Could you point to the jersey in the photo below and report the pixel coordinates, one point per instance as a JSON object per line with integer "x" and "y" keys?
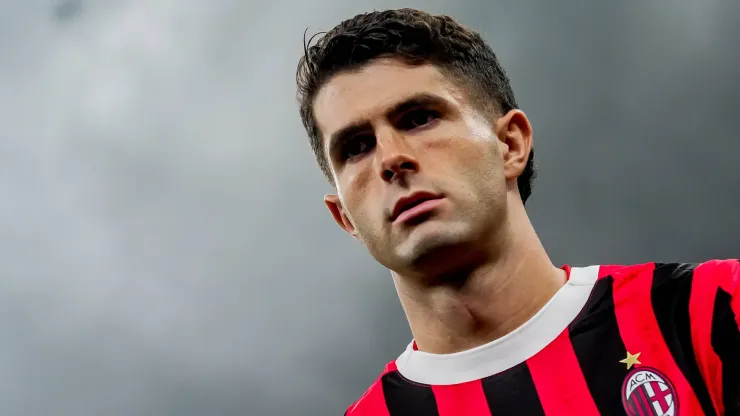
{"x": 643, "y": 340}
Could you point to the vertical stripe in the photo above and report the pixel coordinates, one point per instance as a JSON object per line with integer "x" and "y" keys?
{"x": 726, "y": 342}
{"x": 701, "y": 312}
{"x": 598, "y": 347}
{"x": 728, "y": 274}
{"x": 466, "y": 399}
{"x": 632, "y": 408}
{"x": 512, "y": 392}
{"x": 641, "y": 333}
{"x": 559, "y": 381}
{"x": 371, "y": 403}
{"x": 404, "y": 397}
{"x": 644, "y": 402}
{"x": 725, "y": 337}
{"x": 670, "y": 297}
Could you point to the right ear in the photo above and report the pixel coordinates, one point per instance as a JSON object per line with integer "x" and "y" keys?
{"x": 334, "y": 204}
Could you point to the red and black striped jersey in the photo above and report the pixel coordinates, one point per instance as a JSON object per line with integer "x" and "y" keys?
{"x": 643, "y": 340}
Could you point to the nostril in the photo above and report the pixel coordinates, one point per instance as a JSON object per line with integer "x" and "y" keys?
{"x": 388, "y": 174}
{"x": 407, "y": 166}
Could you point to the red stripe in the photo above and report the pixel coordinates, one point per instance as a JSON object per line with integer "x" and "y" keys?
{"x": 391, "y": 366}
{"x": 645, "y": 405}
{"x": 640, "y": 332}
{"x": 728, "y": 274}
{"x": 559, "y": 380}
{"x": 610, "y": 270}
{"x": 464, "y": 399}
{"x": 701, "y": 310}
{"x": 373, "y": 401}
{"x": 567, "y": 270}
{"x": 643, "y": 402}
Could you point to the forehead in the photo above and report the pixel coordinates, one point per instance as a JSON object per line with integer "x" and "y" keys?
{"x": 353, "y": 97}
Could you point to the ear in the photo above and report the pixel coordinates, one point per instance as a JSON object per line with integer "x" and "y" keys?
{"x": 337, "y": 211}
{"x": 515, "y": 133}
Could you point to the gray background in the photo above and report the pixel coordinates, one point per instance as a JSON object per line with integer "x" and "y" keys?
{"x": 164, "y": 248}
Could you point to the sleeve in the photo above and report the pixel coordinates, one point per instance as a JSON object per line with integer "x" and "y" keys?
{"x": 725, "y": 332}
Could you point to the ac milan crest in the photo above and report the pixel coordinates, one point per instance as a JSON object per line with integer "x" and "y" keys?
{"x": 647, "y": 392}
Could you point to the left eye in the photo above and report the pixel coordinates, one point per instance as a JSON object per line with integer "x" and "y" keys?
{"x": 417, "y": 118}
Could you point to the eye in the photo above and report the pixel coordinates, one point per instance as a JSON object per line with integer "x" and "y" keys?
{"x": 417, "y": 118}
{"x": 357, "y": 146}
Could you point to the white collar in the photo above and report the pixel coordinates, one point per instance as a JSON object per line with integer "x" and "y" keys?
{"x": 509, "y": 350}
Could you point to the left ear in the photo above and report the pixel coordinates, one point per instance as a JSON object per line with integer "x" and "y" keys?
{"x": 515, "y": 133}
{"x": 336, "y": 209}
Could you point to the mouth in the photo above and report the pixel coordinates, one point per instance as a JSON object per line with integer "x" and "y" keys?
{"x": 414, "y": 205}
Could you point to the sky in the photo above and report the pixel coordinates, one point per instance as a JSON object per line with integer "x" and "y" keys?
{"x": 164, "y": 247}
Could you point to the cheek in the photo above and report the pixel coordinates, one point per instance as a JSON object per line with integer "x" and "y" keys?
{"x": 357, "y": 199}
{"x": 363, "y": 214}
{"x": 462, "y": 152}
{"x": 356, "y": 177}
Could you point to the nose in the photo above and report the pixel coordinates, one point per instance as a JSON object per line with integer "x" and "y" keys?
{"x": 394, "y": 156}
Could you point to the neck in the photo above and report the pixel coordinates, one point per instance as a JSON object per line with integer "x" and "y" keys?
{"x": 496, "y": 297}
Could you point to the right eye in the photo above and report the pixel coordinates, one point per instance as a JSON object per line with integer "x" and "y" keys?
{"x": 357, "y": 146}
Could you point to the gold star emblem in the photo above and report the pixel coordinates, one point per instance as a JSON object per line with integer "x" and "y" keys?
{"x": 631, "y": 360}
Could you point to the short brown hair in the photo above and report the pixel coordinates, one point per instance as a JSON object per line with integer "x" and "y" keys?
{"x": 416, "y": 38}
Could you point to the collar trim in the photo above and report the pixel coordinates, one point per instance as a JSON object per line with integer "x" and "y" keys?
{"x": 508, "y": 351}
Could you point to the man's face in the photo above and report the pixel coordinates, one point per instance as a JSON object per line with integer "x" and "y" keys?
{"x": 419, "y": 170}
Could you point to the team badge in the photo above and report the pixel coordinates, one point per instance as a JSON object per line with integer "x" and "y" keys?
{"x": 647, "y": 392}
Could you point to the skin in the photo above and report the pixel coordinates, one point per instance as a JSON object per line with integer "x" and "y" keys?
{"x": 472, "y": 269}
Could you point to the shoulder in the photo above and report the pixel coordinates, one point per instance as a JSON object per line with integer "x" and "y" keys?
{"x": 664, "y": 284}
{"x": 725, "y": 273}
{"x": 372, "y": 401}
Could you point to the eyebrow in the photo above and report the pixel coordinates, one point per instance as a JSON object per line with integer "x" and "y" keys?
{"x": 423, "y": 99}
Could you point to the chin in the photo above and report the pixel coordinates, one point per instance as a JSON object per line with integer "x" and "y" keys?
{"x": 435, "y": 250}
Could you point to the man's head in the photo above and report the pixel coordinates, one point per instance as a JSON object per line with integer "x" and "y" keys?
{"x": 403, "y": 107}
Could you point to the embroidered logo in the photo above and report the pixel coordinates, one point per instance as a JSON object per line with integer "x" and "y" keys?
{"x": 647, "y": 392}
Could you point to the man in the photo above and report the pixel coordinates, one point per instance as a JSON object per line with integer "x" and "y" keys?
{"x": 413, "y": 120}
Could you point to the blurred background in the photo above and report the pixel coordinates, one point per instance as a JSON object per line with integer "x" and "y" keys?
{"x": 164, "y": 247}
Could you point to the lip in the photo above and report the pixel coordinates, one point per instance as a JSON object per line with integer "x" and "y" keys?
{"x": 413, "y": 205}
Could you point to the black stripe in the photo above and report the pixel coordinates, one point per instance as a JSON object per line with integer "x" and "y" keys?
{"x": 670, "y": 295}
{"x": 598, "y": 346}
{"x": 633, "y": 407}
{"x": 641, "y": 403}
{"x": 512, "y": 392}
{"x": 404, "y": 397}
{"x": 726, "y": 343}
